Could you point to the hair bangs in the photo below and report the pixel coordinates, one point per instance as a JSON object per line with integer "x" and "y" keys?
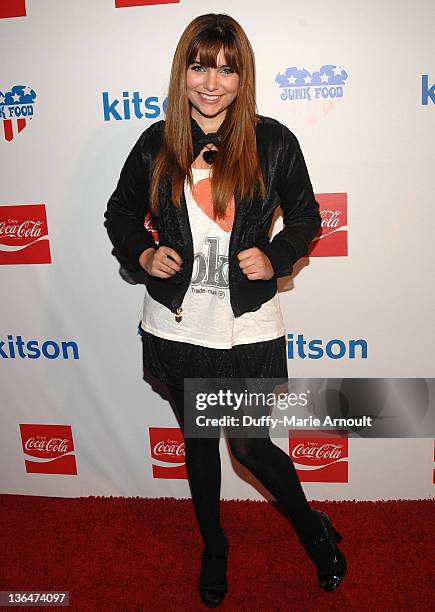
{"x": 208, "y": 46}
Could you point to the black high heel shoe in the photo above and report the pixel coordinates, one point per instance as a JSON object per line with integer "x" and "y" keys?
{"x": 329, "y": 573}
{"x": 212, "y": 594}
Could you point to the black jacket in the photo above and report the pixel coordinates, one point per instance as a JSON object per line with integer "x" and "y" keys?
{"x": 287, "y": 185}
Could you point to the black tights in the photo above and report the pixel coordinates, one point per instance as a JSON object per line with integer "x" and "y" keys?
{"x": 264, "y": 459}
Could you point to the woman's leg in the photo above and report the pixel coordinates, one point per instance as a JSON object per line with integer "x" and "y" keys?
{"x": 265, "y": 460}
{"x": 276, "y": 471}
{"x": 203, "y": 468}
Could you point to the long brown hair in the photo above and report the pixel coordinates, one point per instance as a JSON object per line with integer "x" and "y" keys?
{"x": 236, "y": 165}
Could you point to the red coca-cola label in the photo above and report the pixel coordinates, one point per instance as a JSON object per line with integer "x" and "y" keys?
{"x": 167, "y": 452}
{"x": 332, "y": 238}
{"x": 150, "y": 226}
{"x": 24, "y": 235}
{"x": 320, "y": 456}
{"x": 125, "y": 3}
{"x": 51, "y": 448}
{"x": 12, "y": 8}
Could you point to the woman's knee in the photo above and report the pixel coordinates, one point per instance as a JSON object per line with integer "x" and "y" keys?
{"x": 248, "y": 451}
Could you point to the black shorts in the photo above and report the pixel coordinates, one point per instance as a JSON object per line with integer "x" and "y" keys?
{"x": 172, "y": 361}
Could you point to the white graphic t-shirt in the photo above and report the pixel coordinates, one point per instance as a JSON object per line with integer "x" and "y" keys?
{"x": 207, "y": 316}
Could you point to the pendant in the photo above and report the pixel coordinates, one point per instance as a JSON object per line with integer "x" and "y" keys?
{"x": 178, "y": 315}
{"x": 209, "y": 156}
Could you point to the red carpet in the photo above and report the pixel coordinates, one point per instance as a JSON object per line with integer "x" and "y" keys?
{"x": 144, "y": 554}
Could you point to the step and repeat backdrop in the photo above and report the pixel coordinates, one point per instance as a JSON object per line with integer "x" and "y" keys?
{"x": 79, "y": 83}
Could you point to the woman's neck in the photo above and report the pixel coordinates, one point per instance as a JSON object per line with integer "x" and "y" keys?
{"x": 207, "y": 124}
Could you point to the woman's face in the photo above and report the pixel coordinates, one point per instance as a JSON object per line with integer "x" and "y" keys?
{"x": 211, "y": 90}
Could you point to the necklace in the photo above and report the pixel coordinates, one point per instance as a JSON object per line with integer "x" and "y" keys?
{"x": 201, "y": 140}
{"x": 209, "y": 155}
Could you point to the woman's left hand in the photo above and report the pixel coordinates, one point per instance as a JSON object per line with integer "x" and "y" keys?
{"x": 255, "y": 264}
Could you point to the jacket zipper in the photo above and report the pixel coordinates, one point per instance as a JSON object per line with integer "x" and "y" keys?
{"x": 234, "y": 303}
{"x": 178, "y": 310}
{"x": 231, "y": 272}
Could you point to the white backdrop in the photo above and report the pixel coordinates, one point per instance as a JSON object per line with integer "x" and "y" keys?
{"x": 374, "y": 143}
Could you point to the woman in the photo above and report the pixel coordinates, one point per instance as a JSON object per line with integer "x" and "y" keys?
{"x": 210, "y": 178}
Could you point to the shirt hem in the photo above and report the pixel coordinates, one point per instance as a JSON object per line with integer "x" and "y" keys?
{"x": 159, "y": 334}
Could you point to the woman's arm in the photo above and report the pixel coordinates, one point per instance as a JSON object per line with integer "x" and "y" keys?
{"x": 300, "y": 209}
{"x": 127, "y": 208}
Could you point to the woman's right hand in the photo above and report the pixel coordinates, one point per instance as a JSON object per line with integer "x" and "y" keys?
{"x": 162, "y": 262}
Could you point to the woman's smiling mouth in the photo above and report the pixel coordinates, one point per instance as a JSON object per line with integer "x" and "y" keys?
{"x": 208, "y": 98}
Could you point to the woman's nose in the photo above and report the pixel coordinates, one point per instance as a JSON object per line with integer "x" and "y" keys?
{"x": 211, "y": 80}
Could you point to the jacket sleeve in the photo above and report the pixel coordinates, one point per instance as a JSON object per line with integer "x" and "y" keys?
{"x": 127, "y": 208}
{"x": 300, "y": 209}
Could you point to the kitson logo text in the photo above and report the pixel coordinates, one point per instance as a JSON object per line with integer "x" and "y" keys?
{"x": 333, "y": 349}
{"x": 17, "y": 348}
{"x": 132, "y": 106}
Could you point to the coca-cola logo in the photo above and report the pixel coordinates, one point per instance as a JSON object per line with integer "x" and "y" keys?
{"x": 12, "y": 228}
{"x": 127, "y": 3}
{"x": 332, "y": 221}
{"x": 322, "y": 451}
{"x": 49, "y": 449}
{"x": 53, "y": 445}
{"x": 167, "y": 451}
{"x": 24, "y": 235}
{"x": 332, "y": 237}
{"x": 150, "y": 227}
{"x": 13, "y": 8}
{"x": 320, "y": 456}
{"x": 331, "y": 218}
{"x": 171, "y": 449}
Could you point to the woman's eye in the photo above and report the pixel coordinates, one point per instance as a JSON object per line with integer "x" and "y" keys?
{"x": 198, "y": 68}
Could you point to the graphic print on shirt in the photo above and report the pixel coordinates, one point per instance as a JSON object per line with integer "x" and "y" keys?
{"x": 210, "y": 265}
{"x": 210, "y": 271}
{"x": 203, "y": 197}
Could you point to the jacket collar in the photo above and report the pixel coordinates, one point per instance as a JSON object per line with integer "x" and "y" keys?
{"x": 198, "y": 133}
{"x": 200, "y": 138}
